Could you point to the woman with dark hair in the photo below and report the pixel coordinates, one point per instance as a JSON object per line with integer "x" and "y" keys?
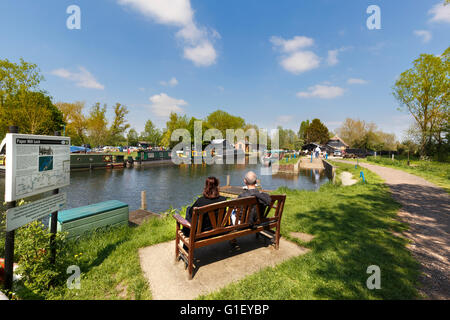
{"x": 210, "y": 196}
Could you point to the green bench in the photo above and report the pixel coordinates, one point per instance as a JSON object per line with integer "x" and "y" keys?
{"x": 79, "y": 221}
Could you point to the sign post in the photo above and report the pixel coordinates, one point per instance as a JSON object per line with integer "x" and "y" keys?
{"x": 9, "y": 240}
{"x": 53, "y": 221}
{"x": 34, "y": 164}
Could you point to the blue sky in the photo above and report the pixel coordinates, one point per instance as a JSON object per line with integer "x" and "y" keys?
{"x": 271, "y": 62}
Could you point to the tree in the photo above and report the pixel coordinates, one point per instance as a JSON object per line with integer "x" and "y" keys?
{"x": 302, "y": 131}
{"x": 119, "y": 125}
{"x": 288, "y": 139}
{"x": 365, "y": 135}
{"x": 76, "y": 122}
{"x": 151, "y": 134}
{"x": 317, "y": 132}
{"x": 35, "y": 113}
{"x": 353, "y": 132}
{"x": 424, "y": 91}
{"x": 222, "y": 121}
{"x": 132, "y": 137}
{"x": 97, "y": 125}
{"x": 175, "y": 122}
{"x": 22, "y": 103}
{"x": 18, "y": 78}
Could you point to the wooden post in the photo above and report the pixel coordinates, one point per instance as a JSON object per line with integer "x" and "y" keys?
{"x": 143, "y": 201}
{"x": 228, "y": 180}
{"x": 9, "y": 240}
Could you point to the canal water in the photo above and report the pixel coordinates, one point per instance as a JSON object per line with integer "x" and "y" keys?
{"x": 170, "y": 185}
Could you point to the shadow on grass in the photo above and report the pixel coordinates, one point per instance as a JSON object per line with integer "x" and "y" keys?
{"x": 353, "y": 233}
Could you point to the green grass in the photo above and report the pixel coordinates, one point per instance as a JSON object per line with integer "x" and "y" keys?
{"x": 292, "y": 160}
{"x": 433, "y": 171}
{"x": 109, "y": 262}
{"x": 353, "y": 228}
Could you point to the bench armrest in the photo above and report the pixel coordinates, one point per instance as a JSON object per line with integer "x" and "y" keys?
{"x": 182, "y": 221}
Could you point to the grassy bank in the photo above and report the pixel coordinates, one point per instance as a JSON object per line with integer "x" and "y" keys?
{"x": 353, "y": 229}
{"x": 109, "y": 262}
{"x": 433, "y": 171}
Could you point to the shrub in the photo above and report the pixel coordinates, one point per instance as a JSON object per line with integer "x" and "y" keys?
{"x": 33, "y": 254}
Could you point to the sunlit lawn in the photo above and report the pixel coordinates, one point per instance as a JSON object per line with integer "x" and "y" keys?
{"x": 433, "y": 171}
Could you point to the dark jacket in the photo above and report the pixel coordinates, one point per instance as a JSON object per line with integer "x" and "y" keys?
{"x": 201, "y": 202}
{"x": 263, "y": 200}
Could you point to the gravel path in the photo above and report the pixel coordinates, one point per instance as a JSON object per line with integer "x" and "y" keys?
{"x": 426, "y": 208}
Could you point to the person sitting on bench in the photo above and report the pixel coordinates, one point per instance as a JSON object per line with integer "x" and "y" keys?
{"x": 262, "y": 197}
{"x": 210, "y": 196}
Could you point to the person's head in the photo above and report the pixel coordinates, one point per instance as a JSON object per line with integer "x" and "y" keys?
{"x": 211, "y": 189}
{"x": 250, "y": 179}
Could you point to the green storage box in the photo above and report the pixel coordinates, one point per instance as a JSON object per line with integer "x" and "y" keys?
{"x": 79, "y": 221}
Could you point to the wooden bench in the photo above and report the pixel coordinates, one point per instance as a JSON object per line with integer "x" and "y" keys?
{"x": 222, "y": 229}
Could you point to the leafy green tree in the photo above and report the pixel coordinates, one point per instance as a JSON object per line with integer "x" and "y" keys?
{"x": 175, "y": 122}
{"x": 132, "y": 137}
{"x": 40, "y": 116}
{"x": 76, "y": 122}
{"x": 151, "y": 134}
{"x": 424, "y": 91}
{"x": 317, "y": 132}
{"x": 97, "y": 125}
{"x": 119, "y": 125}
{"x": 303, "y": 130}
{"x": 23, "y": 103}
{"x": 18, "y": 79}
{"x": 222, "y": 121}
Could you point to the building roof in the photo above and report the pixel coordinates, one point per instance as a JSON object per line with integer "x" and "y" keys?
{"x": 337, "y": 138}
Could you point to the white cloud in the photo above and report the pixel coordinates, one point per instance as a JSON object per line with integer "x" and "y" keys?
{"x": 322, "y": 92}
{"x": 440, "y": 13}
{"x": 202, "y": 55}
{"x": 300, "y": 62}
{"x": 424, "y": 34}
{"x": 83, "y": 78}
{"x": 172, "y": 82}
{"x": 298, "y": 42}
{"x": 179, "y": 13}
{"x": 296, "y": 60}
{"x": 332, "y": 59}
{"x": 163, "y": 105}
{"x": 356, "y": 81}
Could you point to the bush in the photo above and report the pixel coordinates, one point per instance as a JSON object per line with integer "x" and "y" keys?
{"x": 33, "y": 255}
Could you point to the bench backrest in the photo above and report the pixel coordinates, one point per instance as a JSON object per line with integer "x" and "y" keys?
{"x": 220, "y": 213}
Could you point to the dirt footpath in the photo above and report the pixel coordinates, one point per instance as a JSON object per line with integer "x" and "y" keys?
{"x": 426, "y": 208}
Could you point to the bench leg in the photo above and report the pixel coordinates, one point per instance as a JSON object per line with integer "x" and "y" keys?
{"x": 190, "y": 263}
{"x": 177, "y": 250}
{"x": 277, "y": 238}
